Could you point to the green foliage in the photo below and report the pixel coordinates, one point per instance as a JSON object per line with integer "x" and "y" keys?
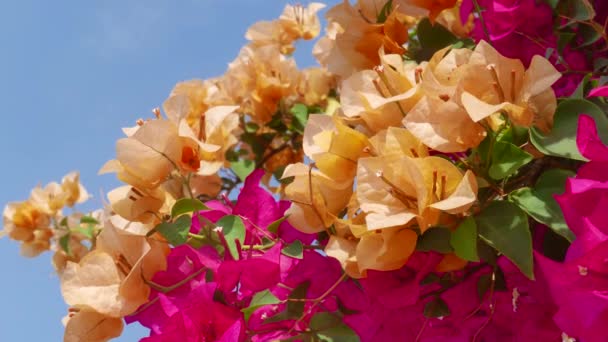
{"x": 435, "y": 239}
{"x": 430, "y": 38}
{"x": 329, "y": 327}
{"x": 384, "y": 12}
{"x": 175, "y": 232}
{"x": 295, "y": 306}
{"x": 436, "y": 308}
{"x": 274, "y": 226}
{"x": 242, "y": 168}
{"x": 259, "y": 299}
{"x": 504, "y": 226}
{"x": 507, "y": 159}
{"x": 233, "y": 230}
{"x": 187, "y": 205}
{"x": 300, "y": 117}
{"x": 294, "y": 250}
{"x": 561, "y": 141}
{"x": 464, "y": 240}
{"x": 64, "y": 243}
{"x": 539, "y": 203}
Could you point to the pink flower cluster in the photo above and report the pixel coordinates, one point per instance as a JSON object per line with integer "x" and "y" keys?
{"x": 203, "y": 297}
{"x": 579, "y": 285}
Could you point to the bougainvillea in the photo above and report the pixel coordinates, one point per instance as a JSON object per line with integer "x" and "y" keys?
{"x": 440, "y": 176}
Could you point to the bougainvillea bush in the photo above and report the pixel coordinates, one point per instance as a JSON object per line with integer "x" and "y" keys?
{"x": 440, "y": 176}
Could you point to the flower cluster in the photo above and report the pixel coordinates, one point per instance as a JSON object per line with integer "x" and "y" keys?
{"x": 438, "y": 177}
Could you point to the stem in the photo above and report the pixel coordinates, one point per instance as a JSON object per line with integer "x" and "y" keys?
{"x": 483, "y": 22}
{"x": 165, "y": 289}
{"x": 316, "y": 302}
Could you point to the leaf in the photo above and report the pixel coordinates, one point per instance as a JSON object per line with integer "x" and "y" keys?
{"x": 432, "y": 38}
{"x": 505, "y": 227}
{"x": 176, "y": 232}
{"x": 561, "y": 141}
{"x": 233, "y": 230}
{"x": 274, "y": 226}
{"x": 464, "y": 240}
{"x": 384, "y": 12}
{"x": 483, "y": 285}
{"x": 599, "y": 64}
{"x": 564, "y": 38}
{"x": 187, "y": 205}
{"x": 539, "y": 203}
{"x": 88, "y": 220}
{"x": 581, "y": 89}
{"x": 294, "y": 250}
{"x": 435, "y": 239}
{"x": 330, "y": 327}
{"x": 324, "y": 320}
{"x": 64, "y": 243}
{"x": 578, "y": 10}
{"x": 300, "y": 117}
{"x": 589, "y": 36}
{"x": 242, "y": 168}
{"x": 251, "y": 127}
{"x": 338, "y": 333}
{"x": 429, "y": 279}
{"x": 436, "y": 308}
{"x": 507, "y": 159}
{"x": 259, "y": 299}
{"x": 88, "y": 231}
{"x": 295, "y": 309}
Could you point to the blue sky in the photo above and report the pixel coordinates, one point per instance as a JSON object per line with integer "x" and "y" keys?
{"x": 72, "y": 73}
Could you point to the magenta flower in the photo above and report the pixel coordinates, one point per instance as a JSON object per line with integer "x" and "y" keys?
{"x": 599, "y": 91}
{"x": 579, "y": 286}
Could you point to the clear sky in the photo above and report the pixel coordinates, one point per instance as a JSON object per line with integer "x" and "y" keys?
{"x": 72, "y": 73}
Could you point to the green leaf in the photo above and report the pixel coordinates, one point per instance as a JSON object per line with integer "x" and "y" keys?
{"x": 432, "y": 39}
{"x": 88, "y": 220}
{"x": 581, "y": 89}
{"x": 259, "y": 299}
{"x": 384, "y": 12}
{"x": 338, "y": 333}
{"x": 539, "y": 203}
{"x": 251, "y": 127}
{"x": 504, "y": 226}
{"x": 88, "y": 231}
{"x": 295, "y": 309}
{"x": 507, "y": 159}
{"x": 233, "y": 229}
{"x": 561, "y": 141}
{"x": 300, "y": 117}
{"x": 564, "y": 38}
{"x": 330, "y": 327}
{"x": 578, "y": 10}
{"x": 242, "y": 168}
{"x": 599, "y": 64}
{"x": 589, "y": 36}
{"x": 464, "y": 240}
{"x": 436, "y": 308}
{"x": 429, "y": 279}
{"x": 176, "y": 232}
{"x": 274, "y": 226}
{"x": 435, "y": 239}
{"x": 294, "y": 250}
{"x": 64, "y": 243}
{"x": 514, "y": 135}
{"x": 187, "y": 205}
{"x": 483, "y": 285}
